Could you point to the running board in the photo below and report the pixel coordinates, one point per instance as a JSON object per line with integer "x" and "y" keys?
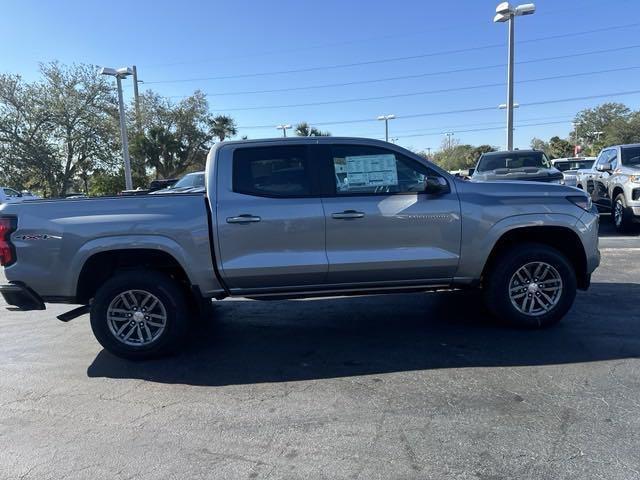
{"x": 75, "y": 313}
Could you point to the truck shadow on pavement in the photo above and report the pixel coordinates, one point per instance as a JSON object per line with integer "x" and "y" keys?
{"x": 255, "y": 342}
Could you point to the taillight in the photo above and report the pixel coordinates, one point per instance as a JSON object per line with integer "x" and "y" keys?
{"x": 7, "y": 252}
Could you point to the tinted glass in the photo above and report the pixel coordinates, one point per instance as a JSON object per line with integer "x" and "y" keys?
{"x": 371, "y": 170}
{"x": 272, "y": 171}
{"x": 11, "y": 193}
{"x": 573, "y": 165}
{"x": 631, "y": 157}
{"x": 512, "y": 161}
{"x": 191, "y": 180}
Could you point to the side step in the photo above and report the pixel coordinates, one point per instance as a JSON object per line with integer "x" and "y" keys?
{"x": 75, "y": 313}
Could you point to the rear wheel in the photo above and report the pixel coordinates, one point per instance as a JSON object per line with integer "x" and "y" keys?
{"x": 531, "y": 285}
{"x": 622, "y": 217}
{"x": 139, "y": 315}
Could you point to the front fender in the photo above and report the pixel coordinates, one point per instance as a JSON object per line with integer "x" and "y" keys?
{"x": 478, "y": 241}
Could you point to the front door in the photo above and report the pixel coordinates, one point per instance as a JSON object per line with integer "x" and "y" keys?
{"x": 271, "y": 225}
{"x": 382, "y": 228}
{"x": 600, "y": 188}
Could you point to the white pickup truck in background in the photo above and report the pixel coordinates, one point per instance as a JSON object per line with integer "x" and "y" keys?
{"x": 9, "y": 195}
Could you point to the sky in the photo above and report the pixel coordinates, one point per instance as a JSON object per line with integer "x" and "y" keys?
{"x": 438, "y": 66}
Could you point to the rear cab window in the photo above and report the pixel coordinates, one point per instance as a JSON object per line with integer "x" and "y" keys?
{"x": 279, "y": 171}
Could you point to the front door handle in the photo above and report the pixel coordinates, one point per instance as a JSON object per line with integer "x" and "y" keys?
{"x": 347, "y": 214}
{"x": 245, "y": 218}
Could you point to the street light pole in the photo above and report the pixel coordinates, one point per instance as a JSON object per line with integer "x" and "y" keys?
{"x": 510, "y": 84}
{"x": 386, "y": 119}
{"x": 284, "y": 129}
{"x": 121, "y": 73}
{"x": 128, "y": 180}
{"x": 136, "y": 98}
{"x": 506, "y": 13}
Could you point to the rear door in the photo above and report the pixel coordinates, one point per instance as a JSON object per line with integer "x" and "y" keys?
{"x": 382, "y": 228}
{"x": 271, "y": 225}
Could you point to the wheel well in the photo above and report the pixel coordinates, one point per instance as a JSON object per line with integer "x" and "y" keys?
{"x": 615, "y": 193}
{"x": 101, "y": 266}
{"x": 561, "y": 238}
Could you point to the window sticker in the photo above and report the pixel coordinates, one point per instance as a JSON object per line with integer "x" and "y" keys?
{"x": 371, "y": 171}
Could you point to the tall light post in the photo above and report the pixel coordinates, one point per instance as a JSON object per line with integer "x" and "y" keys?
{"x": 121, "y": 73}
{"x": 386, "y": 119}
{"x": 507, "y": 13}
{"x": 284, "y": 129}
{"x": 449, "y": 135}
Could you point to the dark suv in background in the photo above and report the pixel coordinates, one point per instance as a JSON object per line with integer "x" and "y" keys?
{"x": 530, "y": 165}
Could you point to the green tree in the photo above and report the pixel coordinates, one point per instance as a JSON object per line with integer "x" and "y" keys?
{"x": 223, "y": 127}
{"x": 53, "y": 128}
{"x": 177, "y": 137}
{"x": 594, "y": 124}
{"x": 560, "y": 148}
{"x": 303, "y": 129}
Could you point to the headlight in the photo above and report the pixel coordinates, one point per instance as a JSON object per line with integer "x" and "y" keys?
{"x": 558, "y": 181}
{"x": 581, "y": 201}
{"x": 635, "y": 178}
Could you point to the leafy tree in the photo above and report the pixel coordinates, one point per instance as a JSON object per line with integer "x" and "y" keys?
{"x": 539, "y": 144}
{"x": 560, "y": 148}
{"x": 303, "y": 129}
{"x": 53, "y": 128}
{"x": 223, "y": 127}
{"x": 590, "y": 121}
{"x": 460, "y": 157}
{"x": 176, "y": 137}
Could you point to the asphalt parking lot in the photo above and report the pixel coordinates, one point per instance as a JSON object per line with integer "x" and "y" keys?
{"x": 401, "y": 386}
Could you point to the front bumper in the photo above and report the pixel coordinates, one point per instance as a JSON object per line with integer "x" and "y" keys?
{"x": 21, "y": 296}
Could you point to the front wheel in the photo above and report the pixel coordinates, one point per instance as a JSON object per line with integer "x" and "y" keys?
{"x": 622, "y": 217}
{"x": 138, "y": 315}
{"x": 530, "y": 285}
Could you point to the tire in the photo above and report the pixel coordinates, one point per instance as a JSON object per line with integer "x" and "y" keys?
{"x": 140, "y": 303}
{"x": 622, "y": 216}
{"x": 506, "y": 275}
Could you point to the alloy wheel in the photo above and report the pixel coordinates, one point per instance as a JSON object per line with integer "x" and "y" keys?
{"x": 535, "y": 288}
{"x": 136, "y": 318}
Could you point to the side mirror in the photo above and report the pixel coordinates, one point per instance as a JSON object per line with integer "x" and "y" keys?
{"x": 471, "y": 171}
{"x": 19, "y": 195}
{"x": 604, "y": 167}
{"x": 435, "y": 185}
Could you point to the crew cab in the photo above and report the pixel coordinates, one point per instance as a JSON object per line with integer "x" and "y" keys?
{"x": 291, "y": 218}
{"x": 614, "y": 184}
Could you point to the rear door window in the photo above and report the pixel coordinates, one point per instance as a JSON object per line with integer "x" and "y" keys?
{"x": 281, "y": 171}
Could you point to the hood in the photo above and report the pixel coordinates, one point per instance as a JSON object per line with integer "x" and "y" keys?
{"x": 530, "y": 174}
{"x": 521, "y": 189}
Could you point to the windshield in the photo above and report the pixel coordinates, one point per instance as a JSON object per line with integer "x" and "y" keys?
{"x": 512, "y": 160}
{"x": 573, "y": 165}
{"x": 192, "y": 180}
{"x": 631, "y": 157}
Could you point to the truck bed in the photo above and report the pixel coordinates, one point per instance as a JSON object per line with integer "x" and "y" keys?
{"x": 55, "y": 238}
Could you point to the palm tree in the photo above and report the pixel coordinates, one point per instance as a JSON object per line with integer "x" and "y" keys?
{"x": 303, "y": 129}
{"x": 223, "y": 127}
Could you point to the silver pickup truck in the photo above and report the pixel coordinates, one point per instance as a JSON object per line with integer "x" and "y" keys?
{"x": 293, "y": 218}
{"x": 613, "y": 182}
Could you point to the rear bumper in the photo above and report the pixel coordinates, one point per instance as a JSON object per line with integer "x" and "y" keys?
{"x": 21, "y": 296}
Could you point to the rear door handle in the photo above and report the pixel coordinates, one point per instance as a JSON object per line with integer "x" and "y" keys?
{"x": 347, "y": 214}
{"x": 245, "y": 218}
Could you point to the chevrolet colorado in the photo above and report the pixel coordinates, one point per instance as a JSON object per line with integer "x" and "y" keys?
{"x": 293, "y": 218}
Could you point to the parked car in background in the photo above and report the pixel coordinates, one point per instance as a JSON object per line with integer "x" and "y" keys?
{"x": 278, "y": 222}
{"x": 570, "y": 166}
{"x": 9, "y": 195}
{"x": 190, "y": 183}
{"x": 614, "y": 184}
{"x": 530, "y": 165}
